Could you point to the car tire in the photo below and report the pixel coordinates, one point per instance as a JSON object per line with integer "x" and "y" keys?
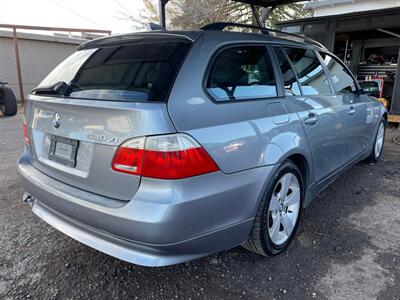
{"x": 269, "y": 236}
{"x": 8, "y": 103}
{"x": 379, "y": 142}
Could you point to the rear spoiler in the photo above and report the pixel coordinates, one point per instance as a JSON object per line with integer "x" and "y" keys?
{"x": 122, "y": 39}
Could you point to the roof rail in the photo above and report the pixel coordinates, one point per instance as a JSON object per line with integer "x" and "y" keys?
{"x": 219, "y": 26}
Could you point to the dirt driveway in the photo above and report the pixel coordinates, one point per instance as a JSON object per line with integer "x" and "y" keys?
{"x": 348, "y": 247}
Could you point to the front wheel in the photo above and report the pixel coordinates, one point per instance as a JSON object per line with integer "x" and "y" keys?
{"x": 378, "y": 143}
{"x": 279, "y": 212}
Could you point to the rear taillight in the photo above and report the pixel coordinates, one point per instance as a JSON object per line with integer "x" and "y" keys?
{"x": 171, "y": 156}
{"x": 129, "y": 157}
{"x": 26, "y": 135}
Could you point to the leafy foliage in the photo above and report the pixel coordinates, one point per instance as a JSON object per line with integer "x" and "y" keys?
{"x": 194, "y": 14}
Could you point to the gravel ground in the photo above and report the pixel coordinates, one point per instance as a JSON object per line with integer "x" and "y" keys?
{"x": 347, "y": 247}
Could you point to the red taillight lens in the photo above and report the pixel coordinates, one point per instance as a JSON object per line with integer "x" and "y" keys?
{"x": 177, "y": 164}
{"x": 164, "y": 157}
{"x": 26, "y": 135}
{"x": 129, "y": 157}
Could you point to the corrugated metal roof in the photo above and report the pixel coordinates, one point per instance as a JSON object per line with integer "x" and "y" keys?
{"x": 320, "y": 3}
{"x": 375, "y": 13}
{"x": 42, "y": 37}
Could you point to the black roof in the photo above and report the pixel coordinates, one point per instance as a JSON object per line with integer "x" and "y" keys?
{"x": 192, "y": 36}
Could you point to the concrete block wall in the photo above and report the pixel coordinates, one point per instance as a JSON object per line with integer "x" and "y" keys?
{"x": 39, "y": 54}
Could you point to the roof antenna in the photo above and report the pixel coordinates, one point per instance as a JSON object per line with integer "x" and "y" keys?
{"x": 153, "y": 26}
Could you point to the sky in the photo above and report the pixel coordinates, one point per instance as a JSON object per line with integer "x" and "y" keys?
{"x": 88, "y": 14}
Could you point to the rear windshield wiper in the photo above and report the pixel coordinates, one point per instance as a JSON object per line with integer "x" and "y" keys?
{"x": 58, "y": 88}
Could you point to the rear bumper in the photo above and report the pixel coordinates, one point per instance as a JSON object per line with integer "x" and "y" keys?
{"x": 133, "y": 252}
{"x": 166, "y": 222}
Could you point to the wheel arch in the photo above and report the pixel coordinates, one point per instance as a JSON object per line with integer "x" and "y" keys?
{"x": 385, "y": 116}
{"x": 300, "y": 159}
{"x": 302, "y": 163}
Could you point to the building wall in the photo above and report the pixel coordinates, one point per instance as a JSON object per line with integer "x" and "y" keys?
{"x": 336, "y": 7}
{"x": 38, "y": 56}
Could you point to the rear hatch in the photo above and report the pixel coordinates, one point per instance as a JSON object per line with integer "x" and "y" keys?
{"x": 97, "y": 99}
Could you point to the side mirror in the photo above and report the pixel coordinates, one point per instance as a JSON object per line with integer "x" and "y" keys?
{"x": 371, "y": 88}
{"x": 360, "y": 92}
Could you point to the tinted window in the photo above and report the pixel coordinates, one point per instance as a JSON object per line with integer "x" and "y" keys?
{"x": 67, "y": 69}
{"x": 292, "y": 87}
{"x": 240, "y": 73}
{"x": 134, "y": 72}
{"x": 342, "y": 81}
{"x": 309, "y": 70}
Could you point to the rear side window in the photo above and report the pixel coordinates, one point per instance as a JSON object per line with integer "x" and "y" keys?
{"x": 310, "y": 72}
{"x": 241, "y": 73}
{"x": 292, "y": 87}
{"x": 134, "y": 72}
{"x": 342, "y": 80}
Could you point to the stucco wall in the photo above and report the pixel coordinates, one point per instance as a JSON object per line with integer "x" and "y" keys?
{"x": 38, "y": 56}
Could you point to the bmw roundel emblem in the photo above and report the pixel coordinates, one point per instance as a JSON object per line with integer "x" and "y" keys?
{"x": 56, "y": 120}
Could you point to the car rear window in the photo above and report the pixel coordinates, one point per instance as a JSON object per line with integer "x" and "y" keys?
{"x": 133, "y": 72}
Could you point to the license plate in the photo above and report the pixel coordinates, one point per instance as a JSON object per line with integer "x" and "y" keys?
{"x": 63, "y": 150}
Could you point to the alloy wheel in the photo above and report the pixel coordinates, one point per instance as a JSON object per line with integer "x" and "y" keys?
{"x": 379, "y": 140}
{"x": 284, "y": 209}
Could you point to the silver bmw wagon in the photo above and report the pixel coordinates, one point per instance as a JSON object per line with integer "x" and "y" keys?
{"x": 165, "y": 146}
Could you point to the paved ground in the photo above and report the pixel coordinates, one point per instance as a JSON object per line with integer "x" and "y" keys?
{"x": 348, "y": 247}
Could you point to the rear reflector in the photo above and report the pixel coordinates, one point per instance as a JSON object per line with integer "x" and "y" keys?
{"x": 26, "y": 135}
{"x": 173, "y": 156}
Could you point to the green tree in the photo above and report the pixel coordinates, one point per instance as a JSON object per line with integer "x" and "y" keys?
{"x": 193, "y": 14}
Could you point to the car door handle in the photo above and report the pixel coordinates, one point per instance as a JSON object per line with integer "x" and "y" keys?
{"x": 311, "y": 119}
{"x": 351, "y": 111}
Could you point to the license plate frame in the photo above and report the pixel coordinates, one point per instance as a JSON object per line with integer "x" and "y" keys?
{"x": 63, "y": 150}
